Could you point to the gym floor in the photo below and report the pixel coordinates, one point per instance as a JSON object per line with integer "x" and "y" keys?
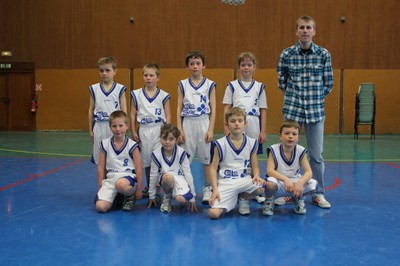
{"x": 47, "y": 215}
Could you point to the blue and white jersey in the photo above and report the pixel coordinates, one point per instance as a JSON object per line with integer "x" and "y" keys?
{"x": 106, "y": 102}
{"x": 249, "y": 96}
{"x": 290, "y": 168}
{"x": 235, "y": 163}
{"x": 119, "y": 161}
{"x": 196, "y": 99}
{"x": 178, "y": 165}
{"x": 150, "y": 110}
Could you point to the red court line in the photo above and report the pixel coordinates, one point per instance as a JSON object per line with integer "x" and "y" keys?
{"x": 394, "y": 165}
{"x": 337, "y": 183}
{"x": 40, "y": 175}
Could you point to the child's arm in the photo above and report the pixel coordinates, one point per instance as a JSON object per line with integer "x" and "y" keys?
{"x": 213, "y": 177}
{"x": 226, "y": 108}
{"x": 255, "y": 169}
{"x": 263, "y": 121}
{"x": 137, "y": 161}
{"x": 101, "y": 168}
{"x": 179, "y": 117}
{"x": 133, "y": 113}
{"x": 91, "y": 118}
{"x": 272, "y": 172}
{"x": 210, "y": 132}
{"x": 122, "y": 102}
{"x": 189, "y": 178}
{"x": 167, "y": 111}
{"x": 153, "y": 184}
{"x": 299, "y": 185}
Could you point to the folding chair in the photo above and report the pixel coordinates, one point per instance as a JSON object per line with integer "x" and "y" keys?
{"x": 365, "y": 108}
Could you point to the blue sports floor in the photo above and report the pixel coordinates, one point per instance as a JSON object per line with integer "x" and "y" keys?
{"x": 47, "y": 215}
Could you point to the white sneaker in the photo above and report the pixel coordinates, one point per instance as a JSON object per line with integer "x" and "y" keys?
{"x": 244, "y": 207}
{"x": 166, "y": 204}
{"x": 259, "y": 198}
{"x": 268, "y": 207}
{"x": 282, "y": 201}
{"x": 299, "y": 206}
{"x": 320, "y": 201}
{"x": 206, "y": 194}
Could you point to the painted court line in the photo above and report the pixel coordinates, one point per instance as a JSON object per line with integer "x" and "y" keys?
{"x": 35, "y": 176}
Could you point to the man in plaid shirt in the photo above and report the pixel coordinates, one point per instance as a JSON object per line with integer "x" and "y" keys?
{"x": 305, "y": 77}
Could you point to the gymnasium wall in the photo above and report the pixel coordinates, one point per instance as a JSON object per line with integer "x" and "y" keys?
{"x": 64, "y": 100}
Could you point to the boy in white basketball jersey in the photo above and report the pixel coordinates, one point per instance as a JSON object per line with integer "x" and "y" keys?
{"x": 284, "y": 176}
{"x": 105, "y": 97}
{"x": 248, "y": 94}
{"x": 234, "y": 169}
{"x": 150, "y": 108}
{"x": 170, "y": 168}
{"x": 196, "y": 115}
{"x": 119, "y": 169}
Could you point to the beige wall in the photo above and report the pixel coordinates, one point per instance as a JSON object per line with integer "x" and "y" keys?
{"x": 64, "y": 100}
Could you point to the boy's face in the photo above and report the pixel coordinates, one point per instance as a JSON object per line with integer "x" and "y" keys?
{"x": 118, "y": 127}
{"x": 168, "y": 142}
{"x": 246, "y": 68}
{"x": 289, "y": 136}
{"x": 236, "y": 124}
{"x": 150, "y": 78}
{"x": 195, "y": 66}
{"x": 305, "y": 31}
{"x": 107, "y": 73}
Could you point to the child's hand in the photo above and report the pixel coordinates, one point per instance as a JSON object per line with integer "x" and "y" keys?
{"x": 182, "y": 138}
{"x": 215, "y": 195}
{"x": 289, "y": 186}
{"x": 135, "y": 137}
{"x": 258, "y": 180}
{"x": 298, "y": 189}
{"x": 138, "y": 194}
{"x": 209, "y": 136}
{"x": 261, "y": 138}
{"x": 152, "y": 202}
{"x": 192, "y": 207}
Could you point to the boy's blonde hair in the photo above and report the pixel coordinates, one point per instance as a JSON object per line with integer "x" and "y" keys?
{"x": 155, "y": 67}
{"x": 194, "y": 55}
{"x": 288, "y": 124}
{"x": 246, "y": 55}
{"x": 118, "y": 114}
{"x": 306, "y": 19}
{"x": 107, "y": 60}
{"x": 169, "y": 128}
{"x": 235, "y": 111}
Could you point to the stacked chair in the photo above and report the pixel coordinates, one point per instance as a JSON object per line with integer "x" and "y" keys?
{"x": 365, "y": 108}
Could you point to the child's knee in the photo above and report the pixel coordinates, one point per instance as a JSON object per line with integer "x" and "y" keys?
{"x": 102, "y": 206}
{"x": 181, "y": 200}
{"x": 215, "y": 213}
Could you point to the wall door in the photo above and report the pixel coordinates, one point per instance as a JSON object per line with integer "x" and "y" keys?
{"x": 17, "y": 90}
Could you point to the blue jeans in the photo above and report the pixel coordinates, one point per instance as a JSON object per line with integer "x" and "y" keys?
{"x": 315, "y": 145}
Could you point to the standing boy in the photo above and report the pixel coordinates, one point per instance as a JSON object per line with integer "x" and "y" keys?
{"x": 305, "y": 77}
{"x": 234, "y": 170}
{"x": 105, "y": 97}
{"x": 248, "y": 94}
{"x": 150, "y": 108}
{"x": 196, "y": 115}
{"x": 119, "y": 169}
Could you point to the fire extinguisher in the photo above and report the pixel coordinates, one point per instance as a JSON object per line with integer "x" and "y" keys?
{"x": 34, "y": 104}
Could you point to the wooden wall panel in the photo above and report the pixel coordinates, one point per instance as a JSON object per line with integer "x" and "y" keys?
{"x": 64, "y": 99}
{"x": 387, "y": 99}
{"x": 73, "y": 34}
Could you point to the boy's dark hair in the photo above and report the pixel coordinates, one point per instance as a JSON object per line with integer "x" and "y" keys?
{"x": 194, "y": 55}
{"x": 169, "y": 128}
{"x": 235, "y": 111}
{"x": 289, "y": 123}
{"x": 118, "y": 114}
{"x": 108, "y": 60}
{"x": 155, "y": 67}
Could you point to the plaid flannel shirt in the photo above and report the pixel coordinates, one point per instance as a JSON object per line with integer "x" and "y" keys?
{"x": 306, "y": 80}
